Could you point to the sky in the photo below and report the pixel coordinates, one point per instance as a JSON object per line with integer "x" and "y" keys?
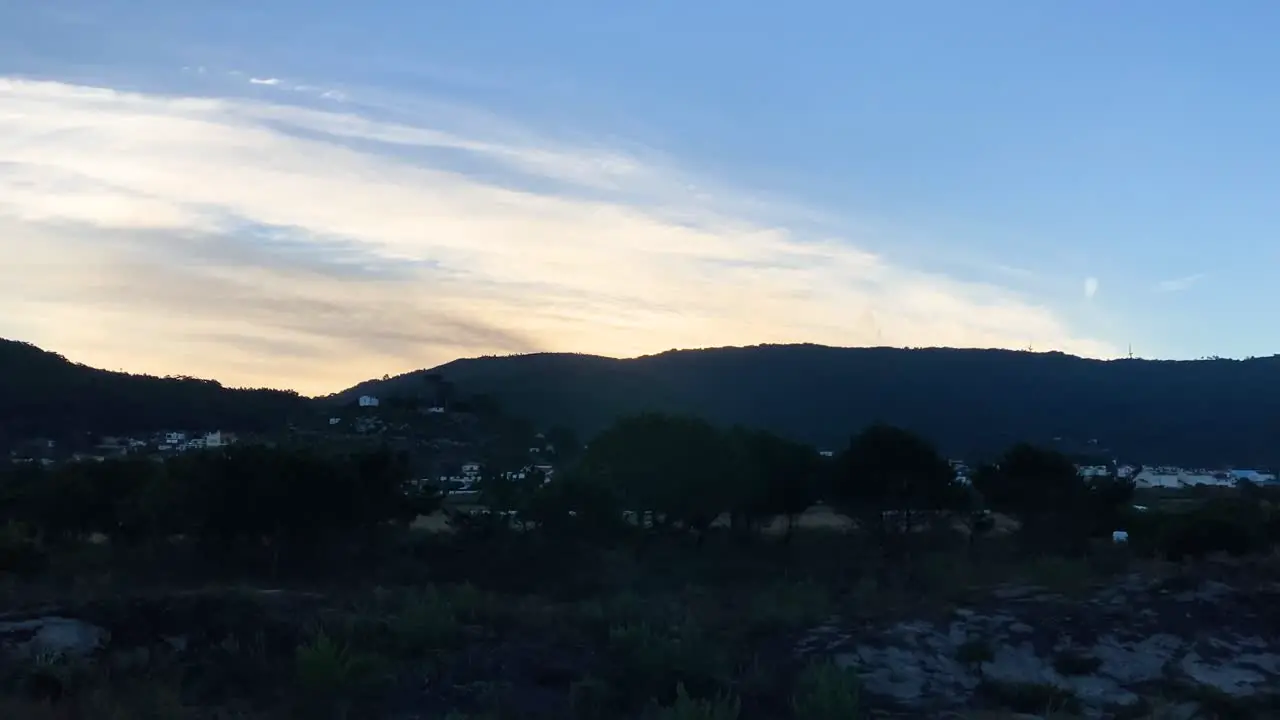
{"x": 309, "y": 194}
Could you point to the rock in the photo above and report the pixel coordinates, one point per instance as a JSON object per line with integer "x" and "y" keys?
{"x": 1132, "y": 640}
{"x": 56, "y": 636}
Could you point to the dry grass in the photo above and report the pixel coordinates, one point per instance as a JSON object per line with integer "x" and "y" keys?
{"x": 818, "y": 517}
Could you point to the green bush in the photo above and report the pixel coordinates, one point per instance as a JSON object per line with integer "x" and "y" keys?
{"x": 826, "y": 691}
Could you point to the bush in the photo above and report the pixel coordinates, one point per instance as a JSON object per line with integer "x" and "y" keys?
{"x": 1233, "y": 527}
{"x": 20, "y": 553}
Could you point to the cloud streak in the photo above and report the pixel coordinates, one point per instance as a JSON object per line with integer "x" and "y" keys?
{"x": 1179, "y": 284}
{"x": 276, "y": 244}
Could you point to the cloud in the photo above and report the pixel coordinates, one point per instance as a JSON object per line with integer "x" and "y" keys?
{"x": 276, "y": 244}
{"x": 1179, "y": 284}
{"x": 1090, "y": 287}
{"x": 264, "y": 81}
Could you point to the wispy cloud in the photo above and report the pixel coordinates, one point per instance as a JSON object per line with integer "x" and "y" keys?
{"x": 1090, "y": 287}
{"x": 264, "y": 81}
{"x": 271, "y": 243}
{"x": 1179, "y": 284}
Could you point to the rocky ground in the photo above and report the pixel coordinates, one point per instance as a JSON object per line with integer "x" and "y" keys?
{"x": 1191, "y": 646}
{"x": 1201, "y": 644}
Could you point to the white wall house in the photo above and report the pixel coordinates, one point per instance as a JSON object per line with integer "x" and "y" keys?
{"x": 1176, "y": 477}
{"x": 174, "y": 438}
{"x": 217, "y": 438}
{"x": 368, "y": 401}
{"x": 1252, "y": 476}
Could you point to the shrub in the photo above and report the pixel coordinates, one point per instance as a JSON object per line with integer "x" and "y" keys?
{"x": 826, "y": 691}
{"x": 1217, "y": 527}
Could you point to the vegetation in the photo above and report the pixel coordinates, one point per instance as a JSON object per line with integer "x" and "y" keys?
{"x": 665, "y": 570}
{"x": 45, "y": 395}
{"x": 664, "y": 574}
{"x": 973, "y": 403}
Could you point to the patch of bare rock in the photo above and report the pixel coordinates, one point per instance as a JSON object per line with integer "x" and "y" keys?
{"x": 1177, "y": 649}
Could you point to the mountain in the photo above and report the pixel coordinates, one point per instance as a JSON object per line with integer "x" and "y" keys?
{"x": 970, "y": 402}
{"x": 42, "y": 394}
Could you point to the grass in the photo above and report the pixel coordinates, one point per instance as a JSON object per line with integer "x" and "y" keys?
{"x": 656, "y": 629}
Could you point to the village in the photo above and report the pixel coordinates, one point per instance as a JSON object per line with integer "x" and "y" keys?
{"x": 461, "y": 475}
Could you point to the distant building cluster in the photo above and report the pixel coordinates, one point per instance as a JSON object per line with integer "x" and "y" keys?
{"x": 43, "y": 451}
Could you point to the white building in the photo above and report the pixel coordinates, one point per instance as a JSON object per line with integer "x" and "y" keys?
{"x": 1176, "y": 477}
{"x": 1252, "y": 476}
{"x": 174, "y": 438}
{"x": 368, "y": 401}
{"x": 217, "y": 438}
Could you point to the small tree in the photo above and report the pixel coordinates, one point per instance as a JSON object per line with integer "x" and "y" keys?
{"x": 890, "y": 479}
{"x": 781, "y": 478}
{"x": 1044, "y": 490}
{"x": 675, "y": 469}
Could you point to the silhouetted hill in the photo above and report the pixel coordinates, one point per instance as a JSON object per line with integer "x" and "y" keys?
{"x": 971, "y": 402}
{"x": 42, "y": 394}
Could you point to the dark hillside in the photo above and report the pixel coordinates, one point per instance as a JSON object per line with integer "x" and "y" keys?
{"x": 42, "y": 394}
{"x": 1206, "y": 412}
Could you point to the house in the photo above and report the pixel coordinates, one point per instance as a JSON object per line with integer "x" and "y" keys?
{"x": 470, "y": 469}
{"x": 827, "y": 453}
{"x": 174, "y": 438}
{"x": 334, "y": 420}
{"x": 435, "y": 409}
{"x": 217, "y": 438}
{"x": 1252, "y": 476}
{"x": 368, "y": 401}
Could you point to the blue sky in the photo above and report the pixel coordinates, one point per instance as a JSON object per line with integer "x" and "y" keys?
{"x": 626, "y": 178}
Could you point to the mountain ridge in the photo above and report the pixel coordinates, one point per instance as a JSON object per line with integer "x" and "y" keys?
{"x": 43, "y": 394}
{"x": 970, "y": 401}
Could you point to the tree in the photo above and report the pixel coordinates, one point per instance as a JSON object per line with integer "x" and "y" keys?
{"x": 890, "y": 478}
{"x": 781, "y": 480}
{"x": 572, "y": 508}
{"x": 565, "y": 443}
{"x": 1045, "y": 491}
{"x": 674, "y": 469}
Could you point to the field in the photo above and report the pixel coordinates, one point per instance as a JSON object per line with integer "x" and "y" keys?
{"x": 818, "y": 517}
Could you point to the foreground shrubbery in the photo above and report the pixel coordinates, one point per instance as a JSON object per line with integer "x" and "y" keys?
{"x": 230, "y": 503}
{"x": 644, "y": 567}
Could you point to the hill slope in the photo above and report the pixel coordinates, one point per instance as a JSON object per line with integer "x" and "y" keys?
{"x": 44, "y": 394}
{"x": 1205, "y": 412}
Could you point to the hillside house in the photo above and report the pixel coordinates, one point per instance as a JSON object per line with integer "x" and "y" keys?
{"x": 1252, "y": 476}
{"x": 218, "y": 438}
{"x": 368, "y": 401}
{"x": 435, "y": 410}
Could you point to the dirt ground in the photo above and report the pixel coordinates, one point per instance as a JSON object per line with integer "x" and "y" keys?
{"x": 818, "y": 517}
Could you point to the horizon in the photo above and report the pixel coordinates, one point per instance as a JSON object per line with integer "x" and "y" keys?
{"x": 351, "y": 385}
{"x": 295, "y": 196}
